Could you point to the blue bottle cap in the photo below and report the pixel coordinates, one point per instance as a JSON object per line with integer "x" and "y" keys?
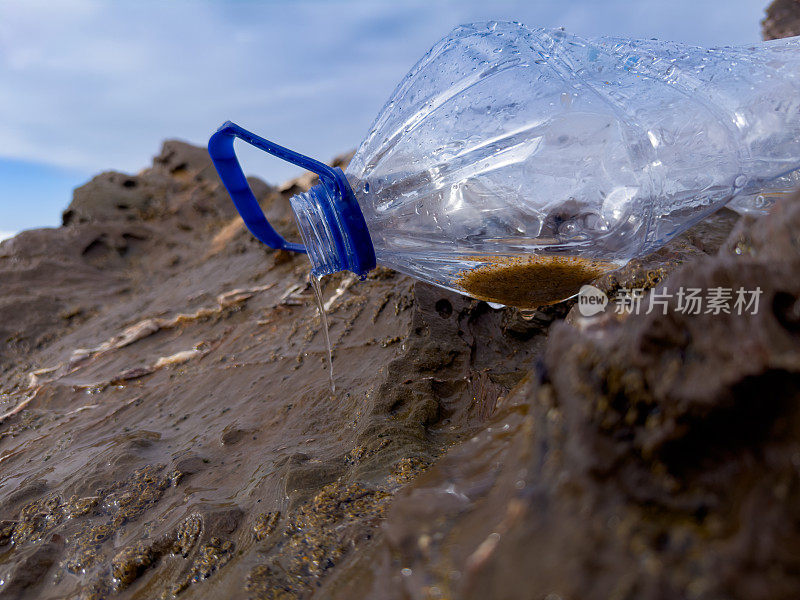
{"x": 337, "y": 203}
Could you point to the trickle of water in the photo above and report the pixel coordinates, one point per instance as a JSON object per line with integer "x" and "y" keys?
{"x": 315, "y": 283}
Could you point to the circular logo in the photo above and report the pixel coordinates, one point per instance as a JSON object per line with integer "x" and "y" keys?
{"x": 591, "y": 301}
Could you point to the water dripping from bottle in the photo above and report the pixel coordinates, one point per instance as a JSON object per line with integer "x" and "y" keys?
{"x": 315, "y": 283}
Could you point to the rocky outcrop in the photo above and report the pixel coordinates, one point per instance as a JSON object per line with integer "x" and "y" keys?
{"x": 782, "y": 20}
{"x": 162, "y": 368}
{"x": 647, "y": 456}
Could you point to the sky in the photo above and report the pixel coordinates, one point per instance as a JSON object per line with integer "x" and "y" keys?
{"x": 89, "y": 86}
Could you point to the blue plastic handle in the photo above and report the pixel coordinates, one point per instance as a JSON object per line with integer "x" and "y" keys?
{"x": 220, "y": 147}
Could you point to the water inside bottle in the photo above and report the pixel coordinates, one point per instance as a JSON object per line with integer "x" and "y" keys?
{"x": 315, "y": 283}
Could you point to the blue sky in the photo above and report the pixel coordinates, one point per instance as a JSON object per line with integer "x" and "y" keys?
{"x": 88, "y": 86}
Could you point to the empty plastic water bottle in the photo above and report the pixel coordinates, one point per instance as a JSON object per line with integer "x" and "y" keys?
{"x": 515, "y": 164}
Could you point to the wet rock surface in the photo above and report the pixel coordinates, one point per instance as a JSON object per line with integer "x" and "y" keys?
{"x": 167, "y": 428}
{"x": 167, "y": 424}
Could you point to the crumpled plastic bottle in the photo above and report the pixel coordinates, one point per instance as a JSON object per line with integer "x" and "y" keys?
{"x": 514, "y": 164}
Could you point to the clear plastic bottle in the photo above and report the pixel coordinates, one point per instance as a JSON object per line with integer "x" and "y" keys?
{"x": 515, "y": 164}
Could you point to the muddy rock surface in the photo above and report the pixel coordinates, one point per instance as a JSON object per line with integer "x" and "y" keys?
{"x": 649, "y": 456}
{"x": 167, "y": 427}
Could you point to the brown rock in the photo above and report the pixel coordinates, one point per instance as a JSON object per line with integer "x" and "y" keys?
{"x": 782, "y": 20}
{"x": 248, "y": 427}
{"x": 650, "y": 457}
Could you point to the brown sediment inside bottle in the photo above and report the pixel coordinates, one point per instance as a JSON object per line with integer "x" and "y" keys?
{"x": 530, "y": 281}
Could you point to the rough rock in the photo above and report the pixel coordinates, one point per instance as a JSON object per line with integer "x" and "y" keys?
{"x": 165, "y": 402}
{"x": 782, "y": 20}
{"x": 654, "y": 456}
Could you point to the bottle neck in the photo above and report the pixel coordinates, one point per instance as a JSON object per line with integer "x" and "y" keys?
{"x": 320, "y": 230}
{"x": 333, "y": 227}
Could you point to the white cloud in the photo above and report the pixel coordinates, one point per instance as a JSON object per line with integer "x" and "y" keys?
{"x": 4, "y": 235}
